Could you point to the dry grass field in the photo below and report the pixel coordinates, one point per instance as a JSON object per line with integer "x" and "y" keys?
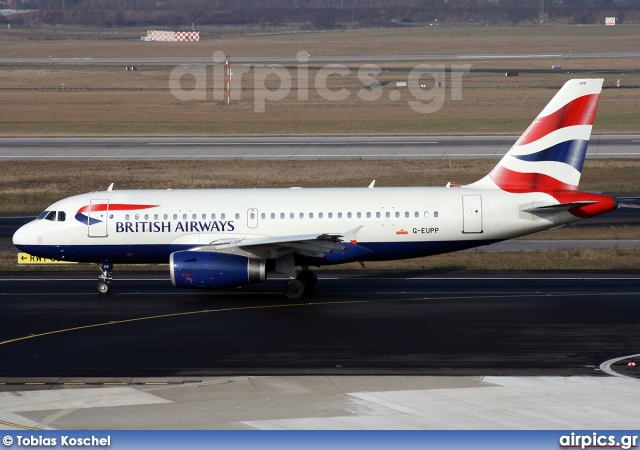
{"x": 435, "y": 40}
{"x": 105, "y": 100}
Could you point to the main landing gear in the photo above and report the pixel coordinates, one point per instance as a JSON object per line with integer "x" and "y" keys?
{"x": 104, "y": 285}
{"x": 296, "y": 288}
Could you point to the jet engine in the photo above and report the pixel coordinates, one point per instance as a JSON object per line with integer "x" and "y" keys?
{"x": 197, "y": 269}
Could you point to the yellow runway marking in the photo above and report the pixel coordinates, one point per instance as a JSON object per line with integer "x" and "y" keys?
{"x": 290, "y": 305}
{"x": 164, "y": 316}
{"x": 17, "y": 425}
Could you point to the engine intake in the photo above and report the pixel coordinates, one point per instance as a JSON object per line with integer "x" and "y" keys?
{"x": 214, "y": 270}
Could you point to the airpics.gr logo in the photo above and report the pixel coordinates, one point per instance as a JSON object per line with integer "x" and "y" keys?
{"x": 82, "y": 217}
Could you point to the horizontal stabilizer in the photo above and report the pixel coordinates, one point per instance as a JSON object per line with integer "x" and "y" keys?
{"x": 552, "y": 209}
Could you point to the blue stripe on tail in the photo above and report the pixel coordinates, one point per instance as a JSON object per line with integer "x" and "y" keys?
{"x": 568, "y": 152}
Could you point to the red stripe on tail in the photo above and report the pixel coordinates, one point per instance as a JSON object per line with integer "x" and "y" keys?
{"x": 517, "y": 182}
{"x": 580, "y": 111}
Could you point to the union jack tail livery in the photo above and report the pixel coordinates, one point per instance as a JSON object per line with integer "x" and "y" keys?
{"x": 549, "y": 155}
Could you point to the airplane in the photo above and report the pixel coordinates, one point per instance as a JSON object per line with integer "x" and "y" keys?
{"x": 224, "y": 238}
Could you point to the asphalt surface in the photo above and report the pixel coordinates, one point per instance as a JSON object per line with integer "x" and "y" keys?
{"x": 318, "y": 58}
{"x": 287, "y": 148}
{"x": 54, "y": 325}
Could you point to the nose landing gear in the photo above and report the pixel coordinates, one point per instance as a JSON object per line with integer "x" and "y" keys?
{"x": 104, "y": 285}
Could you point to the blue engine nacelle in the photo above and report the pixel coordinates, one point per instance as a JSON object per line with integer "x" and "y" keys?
{"x": 214, "y": 270}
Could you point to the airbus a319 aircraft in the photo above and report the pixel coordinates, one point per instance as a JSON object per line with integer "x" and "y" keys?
{"x": 222, "y": 238}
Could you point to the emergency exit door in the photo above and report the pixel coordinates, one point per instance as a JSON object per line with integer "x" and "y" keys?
{"x": 97, "y": 218}
{"x": 472, "y": 214}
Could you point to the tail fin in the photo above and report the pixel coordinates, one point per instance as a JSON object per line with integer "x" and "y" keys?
{"x": 550, "y": 154}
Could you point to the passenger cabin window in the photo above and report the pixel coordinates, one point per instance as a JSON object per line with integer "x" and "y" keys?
{"x": 237, "y": 215}
{"x": 435, "y": 214}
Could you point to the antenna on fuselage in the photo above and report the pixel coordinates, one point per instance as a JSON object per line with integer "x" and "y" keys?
{"x": 110, "y": 188}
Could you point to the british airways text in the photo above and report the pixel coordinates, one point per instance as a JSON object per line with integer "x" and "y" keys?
{"x": 169, "y": 227}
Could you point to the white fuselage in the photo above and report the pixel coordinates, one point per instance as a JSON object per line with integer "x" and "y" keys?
{"x": 148, "y": 225}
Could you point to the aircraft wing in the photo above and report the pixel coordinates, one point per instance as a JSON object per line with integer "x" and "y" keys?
{"x": 314, "y": 245}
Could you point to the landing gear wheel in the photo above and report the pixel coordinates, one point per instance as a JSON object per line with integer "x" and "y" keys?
{"x": 309, "y": 278}
{"x": 106, "y": 275}
{"x": 104, "y": 288}
{"x": 294, "y": 289}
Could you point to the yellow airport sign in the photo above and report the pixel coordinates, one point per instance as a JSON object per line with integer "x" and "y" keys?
{"x": 25, "y": 258}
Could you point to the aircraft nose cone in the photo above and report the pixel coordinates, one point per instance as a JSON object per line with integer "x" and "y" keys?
{"x": 21, "y": 236}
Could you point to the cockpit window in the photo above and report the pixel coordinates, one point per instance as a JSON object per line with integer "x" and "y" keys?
{"x": 60, "y": 216}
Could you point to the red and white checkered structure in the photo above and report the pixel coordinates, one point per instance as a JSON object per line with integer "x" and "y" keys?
{"x": 173, "y": 36}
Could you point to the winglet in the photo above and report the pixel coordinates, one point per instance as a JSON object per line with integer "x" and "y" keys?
{"x": 351, "y": 235}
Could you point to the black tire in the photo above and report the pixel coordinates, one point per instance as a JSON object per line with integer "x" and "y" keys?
{"x": 309, "y": 278}
{"x": 104, "y": 288}
{"x": 294, "y": 289}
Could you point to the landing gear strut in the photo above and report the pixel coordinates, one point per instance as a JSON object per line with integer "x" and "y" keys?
{"x": 104, "y": 285}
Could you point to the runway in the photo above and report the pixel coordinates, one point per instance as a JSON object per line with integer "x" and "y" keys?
{"x": 356, "y": 323}
{"x": 317, "y": 58}
{"x": 289, "y": 148}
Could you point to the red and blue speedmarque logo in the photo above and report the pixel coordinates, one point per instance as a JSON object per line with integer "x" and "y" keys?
{"x": 85, "y": 219}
